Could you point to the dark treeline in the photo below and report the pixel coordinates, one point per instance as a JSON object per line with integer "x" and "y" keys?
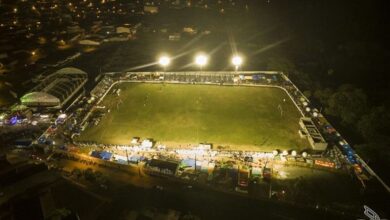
{"x": 339, "y": 55}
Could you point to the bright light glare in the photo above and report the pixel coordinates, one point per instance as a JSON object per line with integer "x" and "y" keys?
{"x": 237, "y": 61}
{"x": 201, "y": 60}
{"x": 164, "y": 61}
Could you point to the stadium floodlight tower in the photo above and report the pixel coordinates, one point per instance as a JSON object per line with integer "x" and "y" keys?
{"x": 164, "y": 61}
{"x": 201, "y": 60}
{"x": 236, "y": 61}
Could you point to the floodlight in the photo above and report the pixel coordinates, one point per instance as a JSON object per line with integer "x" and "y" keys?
{"x": 164, "y": 61}
{"x": 201, "y": 60}
{"x": 237, "y": 61}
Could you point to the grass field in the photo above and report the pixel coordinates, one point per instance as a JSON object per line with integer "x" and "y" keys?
{"x": 231, "y": 116}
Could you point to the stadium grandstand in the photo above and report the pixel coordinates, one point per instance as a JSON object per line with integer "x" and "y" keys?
{"x": 309, "y": 129}
{"x": 56, "y": 89}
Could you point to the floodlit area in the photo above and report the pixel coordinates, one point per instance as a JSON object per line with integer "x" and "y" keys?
{"x": 235, "y": 117}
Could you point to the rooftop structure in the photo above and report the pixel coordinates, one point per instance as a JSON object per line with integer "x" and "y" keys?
{"x": 56, "y": 89}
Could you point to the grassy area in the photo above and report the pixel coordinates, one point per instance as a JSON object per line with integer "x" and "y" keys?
{"x": 239, "y": 117}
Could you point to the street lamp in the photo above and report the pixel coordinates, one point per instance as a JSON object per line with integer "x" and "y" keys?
{"x": 237, "y": 61}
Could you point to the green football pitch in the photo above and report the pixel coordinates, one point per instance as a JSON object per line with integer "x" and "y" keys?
{"x": 236, "y": 117}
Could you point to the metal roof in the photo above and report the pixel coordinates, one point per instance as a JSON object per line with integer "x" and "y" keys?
{"x": 39, "y": 97}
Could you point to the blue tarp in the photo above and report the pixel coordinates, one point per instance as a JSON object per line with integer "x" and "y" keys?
{"x": 105, "y": 155}
{"x": 13, "y": 120}
{"x": 350, "y": 153}
{"x": 101, "y": 155}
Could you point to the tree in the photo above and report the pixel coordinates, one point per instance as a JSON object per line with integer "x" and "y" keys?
{"x": 375, "y": 125}
{"x": 288, "y": 67}
{"x": 307, "y": 93}
{"x": 348, "y": 103}
{"x": 323, "y": 95}
{"x": 89, "y": 175}
{"x": 77, "y": 172}
{"x": 282, "y": 64}
{"x": 58, "y": 214}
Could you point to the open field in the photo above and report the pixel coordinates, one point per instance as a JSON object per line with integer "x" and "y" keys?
{"x": 238, "y": 117}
